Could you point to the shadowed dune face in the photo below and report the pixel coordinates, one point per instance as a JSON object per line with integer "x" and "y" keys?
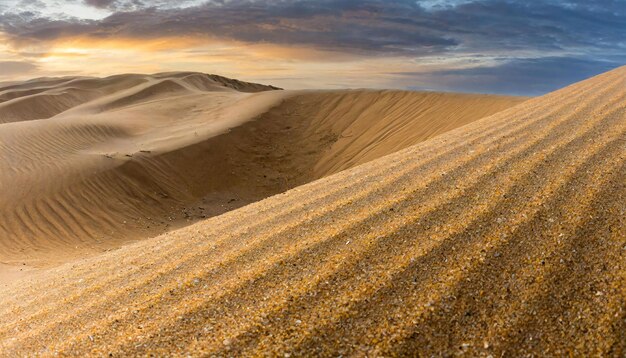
{"x": 505, "y": 237}
{"x": 128, "y": 157}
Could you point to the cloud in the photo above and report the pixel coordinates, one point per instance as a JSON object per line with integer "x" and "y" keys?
{"x": 8, "y": 68}
{"x": 101, "y": 4}
{"x": 515, "y": 35}
{"x": 371, "y": 27}
{"x": 528, "y": 77}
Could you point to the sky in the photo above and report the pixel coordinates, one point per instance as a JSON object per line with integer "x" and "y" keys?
{"x": 517, "y": 47}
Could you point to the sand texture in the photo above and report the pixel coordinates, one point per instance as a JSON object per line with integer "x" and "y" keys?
{"x": 88, "y": 164}
{"x": 504, "y": 237}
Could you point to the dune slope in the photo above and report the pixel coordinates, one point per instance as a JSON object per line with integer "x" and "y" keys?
{"x": 132, "y": 156}
{"x": 86, "y": 171}
{"x": 504, "y": 237}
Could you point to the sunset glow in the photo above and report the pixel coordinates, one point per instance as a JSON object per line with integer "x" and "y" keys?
{"x": 441, "y": 45}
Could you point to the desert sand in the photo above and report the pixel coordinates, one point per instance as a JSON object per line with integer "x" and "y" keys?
{"x": 89, "y": 164}
{"x": 415, "y": 224}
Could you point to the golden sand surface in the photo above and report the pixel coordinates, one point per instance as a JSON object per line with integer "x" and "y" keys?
{"x": 89, "y": 164}
{"x": 504, "y": 237}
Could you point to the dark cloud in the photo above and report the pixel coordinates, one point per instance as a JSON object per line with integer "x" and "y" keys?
{"x": 526, "y": 77}
{"x": 399, "y": 26}
{"x": 374, "y": 25}
{"x": 101, "y": 4}
{"x": 354, "y": 26}
{"x": 8, "y": 68}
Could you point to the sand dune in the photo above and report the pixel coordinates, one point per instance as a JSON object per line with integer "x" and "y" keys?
{"x": 132, "y": 156}
{"x": 503, "y": 237}
{"x": 366, "y": 125}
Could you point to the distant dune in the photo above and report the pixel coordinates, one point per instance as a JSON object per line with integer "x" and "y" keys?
{"x": 505, "y": 236}
{"x": 90, "y": 163}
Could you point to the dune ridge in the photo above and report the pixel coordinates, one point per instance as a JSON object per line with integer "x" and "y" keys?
{"x": 140, "y": 155}
{"x": 506, "y": 236}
